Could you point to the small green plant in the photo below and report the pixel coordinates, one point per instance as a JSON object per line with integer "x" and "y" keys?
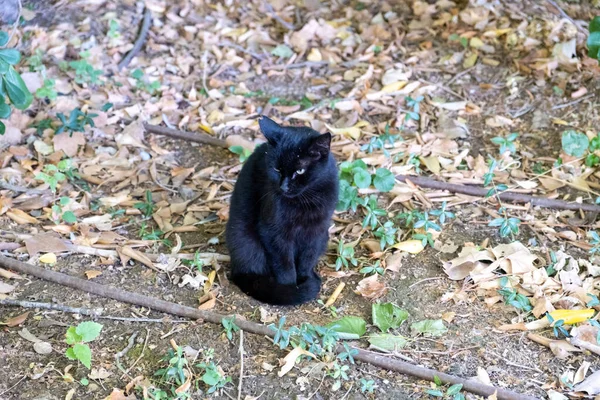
{"x": 443, "y": 214}
{"x": 345, "y": 256}
{"x": 379, "y": 142}
{"x": 593, "y": 302}
{"x": 143, "y": 83}
{"x": 338, "y": 373}
{"x": 197, "y": 262}
{"x": 54, "y": 174}
{"x": 414, "y": 160}
{"x": 367, "y": 385}
{"x": 258, "y": 93}
{"x": 76, "y": 122}
{"x": 229, "y": 327}
{"x": 12, "y": 85}
{"x": 85, "y": 73}
{"x": 36, "y": 62}
{"x": 507, "y": 143}
{"x": 508, "y": 226}
{"x": 373, "y": 269}
{"x": 460, "y": 39}
{"x": 147, "y": 206}
{"x": 593, "y": 41}
{"x": 59, "y": 215}
{"x": 332, "y": 309}
{"x": 356, "y": 173}
{"x": 386, "y": 234}
{"x": 213, "y": 376}
{"x": 512, "y": 297}
{"x": 414, "y": 108}
{"x": 149, "y": 233}
{"x": 78, "y": 337}
{"x": 113, "y": 29}
{"x": 348, "y": 197}
{"x": 550, "y": 270}
{"x": 453, "y": 391}
{"x": 558, "y": 327}
{"x": 282, "y": 51}
{"x": 243, "y": 152}
{"x": 47, "y": 90}
{"x": 314, "y": 338}
{"x": 174, "y": 375}
{"x": 41, "y": 125}
{"x": 372, "y": 212}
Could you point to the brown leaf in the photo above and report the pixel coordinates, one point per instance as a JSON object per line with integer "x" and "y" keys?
{"x": 208, "y": 301}
{"x": 21, "y": 217}
{"x": 9, "y": 275}
{"x": 92, "y": 273}
{"x": 18, "y": 320}
{"x": 371, "y": 288}
{"x": 68, "y": 144}
{"x": 136, "y": 255}
{"x": 46, "y": 243}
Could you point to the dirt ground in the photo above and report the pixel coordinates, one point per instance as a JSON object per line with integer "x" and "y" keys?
{"x": 472, "y": 342}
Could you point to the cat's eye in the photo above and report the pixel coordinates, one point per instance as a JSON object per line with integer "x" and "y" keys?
{"x": 300, "y": 171}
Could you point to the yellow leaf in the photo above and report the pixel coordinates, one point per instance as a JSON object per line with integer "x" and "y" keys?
{"x": 393, "y": 87}
{"x": 290, "y": 360}
{"x": 21, "y": 217}
{"x": 410, "y": 246}
{"x": 470, "y": 61}
{"x": 351, "y": 131}
{"x": 571, "y": 317}
{"x": 476, "y": 43}
{"x": 314, "y": 55}
{"x": 432, "y": 163}
{"x": 48, "y": 258}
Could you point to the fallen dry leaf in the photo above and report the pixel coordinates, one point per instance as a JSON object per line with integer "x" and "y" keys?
{"x": 371, "y": 288}
{"x": 290, "y": 360}
{"x": 16, "y": 321}
{"x": 48, "y": 258}
{"x": 92, "y": 273}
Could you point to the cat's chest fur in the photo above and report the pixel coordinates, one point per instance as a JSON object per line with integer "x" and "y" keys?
{"x": 294, "y": 219}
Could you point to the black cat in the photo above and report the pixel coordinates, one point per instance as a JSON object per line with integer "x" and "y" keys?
{"x": 280, "y": 214}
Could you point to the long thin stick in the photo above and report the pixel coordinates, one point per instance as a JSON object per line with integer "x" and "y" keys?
{"x": 189, "y": 136}
{"x": 252, "y": 327}
{"x": 241, "y": 364}
{"x": 139, "y": 42}
{"x": 505, "y": 196}
{"x": 93, "y": 312}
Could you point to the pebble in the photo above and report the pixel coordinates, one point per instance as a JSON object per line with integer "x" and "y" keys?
{"x": 145, "y": 155}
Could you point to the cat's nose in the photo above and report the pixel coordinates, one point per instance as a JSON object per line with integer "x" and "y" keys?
{"x": 284, "y": 185}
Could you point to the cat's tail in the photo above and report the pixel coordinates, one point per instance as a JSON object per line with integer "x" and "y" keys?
{"x": 267, "y": 290}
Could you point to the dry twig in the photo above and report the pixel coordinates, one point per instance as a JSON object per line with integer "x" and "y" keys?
{"x": 139, "y": 42}
{"x": 504, "y": 196}
{"x": 93, "y": 312}
{"x": 189, "y": 136}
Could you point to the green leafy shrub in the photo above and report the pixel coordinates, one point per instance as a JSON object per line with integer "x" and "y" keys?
{"x": 11, "y": 83}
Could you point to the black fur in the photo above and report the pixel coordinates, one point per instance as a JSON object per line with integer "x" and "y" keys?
{"x": 279, "y": 219}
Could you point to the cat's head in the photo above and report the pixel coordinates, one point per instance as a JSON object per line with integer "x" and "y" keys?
{"x": 297, "y": 156}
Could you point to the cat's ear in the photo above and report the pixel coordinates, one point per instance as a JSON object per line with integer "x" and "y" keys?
{"x": 320, "y": 145}
{"x": 271, "y": 129}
